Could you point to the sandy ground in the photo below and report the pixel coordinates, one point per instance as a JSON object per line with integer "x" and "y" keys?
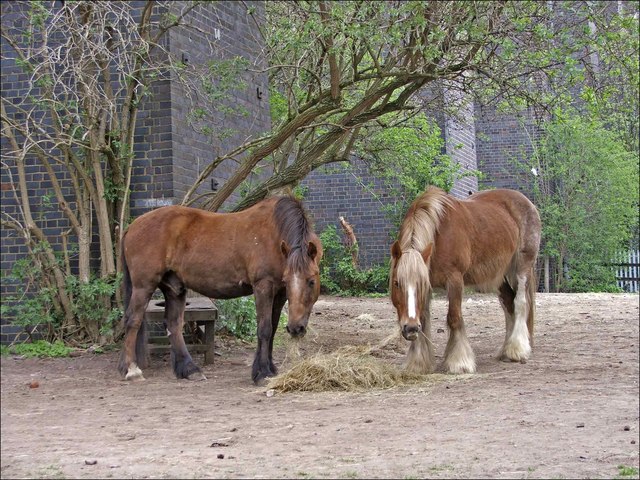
{"x": 570, "y": 412}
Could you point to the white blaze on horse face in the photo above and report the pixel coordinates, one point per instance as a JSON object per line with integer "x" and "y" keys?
{"x": 294, "y": 289}
{"x": 296, "y": 282}
{"x": 411, "y": 301}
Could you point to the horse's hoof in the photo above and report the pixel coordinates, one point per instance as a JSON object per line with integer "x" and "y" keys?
{"x": 134, "y": 374}
{"x": 460, "y": 369}
{"x": 197, "y": 377}
{"x": 513, "y": 357}
{"x": 262, "y": 382}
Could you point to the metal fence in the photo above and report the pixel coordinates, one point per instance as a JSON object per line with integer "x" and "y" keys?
{"x": 628, "y": 271}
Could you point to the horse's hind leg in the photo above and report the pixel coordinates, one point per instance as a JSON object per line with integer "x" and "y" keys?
{"x": 458, "y": 356}
{"x": 517, "y": 347}
{"x": 133, "y": 321}
{"x": 175, "y": 301}
{"x": 507, "y": 297}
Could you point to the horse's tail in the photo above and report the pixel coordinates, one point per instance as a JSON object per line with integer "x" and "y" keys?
{"x": 142, "y": 349}
{"x": 532, "y": 287}
{"x": 126, "y": 278}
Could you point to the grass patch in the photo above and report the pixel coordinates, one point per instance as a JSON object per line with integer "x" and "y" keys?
{"x": 624, "y": 471}
{"x": 39, "y": 348}
{"x": 442, "y": 468}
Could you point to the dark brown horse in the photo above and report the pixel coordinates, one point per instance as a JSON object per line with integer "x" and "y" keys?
{"x": 269, "y": 250}
{"x": 489, "y": 241}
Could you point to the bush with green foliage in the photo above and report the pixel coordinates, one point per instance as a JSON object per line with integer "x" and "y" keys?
{"x": 237, "y": 316}
{"x": 586, "y": 188}
{"x": 36, "y": 311}
{"x": 338, "y": 276}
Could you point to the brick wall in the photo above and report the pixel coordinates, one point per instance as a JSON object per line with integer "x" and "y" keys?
{"x": 503, "y": 142}
{"x": 232, "y": 33}
{"x": 351, "y": 192}
{"x": 460, "y": 142}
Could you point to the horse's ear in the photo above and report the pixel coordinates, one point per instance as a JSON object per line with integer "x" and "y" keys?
{"x": 285, "y": 249}
{"x": 312, "y": 250}
{"x": 396, "y": 251}
{"x": 426, "y": 253}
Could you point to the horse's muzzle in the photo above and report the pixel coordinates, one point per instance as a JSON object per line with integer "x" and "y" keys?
{"x": 297, "y": 331}
{"x": 410, "y": 332}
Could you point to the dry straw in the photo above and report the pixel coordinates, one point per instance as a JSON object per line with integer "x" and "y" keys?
{"x": 349, "y": 368}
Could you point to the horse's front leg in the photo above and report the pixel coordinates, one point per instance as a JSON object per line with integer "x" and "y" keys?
{"x": 181, "y": 361}
{"x": 458, "y": 356}
{"x": 278, "y": 303}
{"x": 421, "y": 358}
{"x": 262, "y": 365}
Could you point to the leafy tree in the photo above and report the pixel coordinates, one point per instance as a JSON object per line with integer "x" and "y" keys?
{"x": 408, "y": 156}
{"x": 340, "y": 70}
{"x": 586, "y": 189}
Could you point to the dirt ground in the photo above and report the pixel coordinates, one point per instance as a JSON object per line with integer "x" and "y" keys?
{"x": 570, "y": 412}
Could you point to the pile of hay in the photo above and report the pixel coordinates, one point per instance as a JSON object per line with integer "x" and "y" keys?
{"x": 346, "y": 369}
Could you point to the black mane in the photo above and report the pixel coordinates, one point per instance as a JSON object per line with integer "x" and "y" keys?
{"x": 293, "y": 225}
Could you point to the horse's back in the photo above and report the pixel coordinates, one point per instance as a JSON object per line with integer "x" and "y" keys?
{"x": 514, "y": 202}
{"x": 481, "y": 235}
{"x": 163, "y": 228}
{"x": 216, "y": 254}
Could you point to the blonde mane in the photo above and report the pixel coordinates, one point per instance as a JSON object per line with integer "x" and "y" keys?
{"x": 418, "y": 230}
{"x": 423, "y": 219}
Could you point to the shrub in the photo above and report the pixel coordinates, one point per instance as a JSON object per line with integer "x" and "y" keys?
{"x": 237, "y": 316}
{"x": 338, "y": 276}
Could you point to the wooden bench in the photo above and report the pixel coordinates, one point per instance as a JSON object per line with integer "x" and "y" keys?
{"x": 199, "y": 310}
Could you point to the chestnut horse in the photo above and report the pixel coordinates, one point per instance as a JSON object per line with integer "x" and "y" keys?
{"x": 269, "y": 250}
{"x": 489, "y": 240}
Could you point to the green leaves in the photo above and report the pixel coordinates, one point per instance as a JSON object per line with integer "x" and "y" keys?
{"x": 40, "y": 348}
{"x": 587, "y": 194}
{"x": 238, "y": 316}
{"x": 338, "y": 275}
{"x": 408, "y": 155}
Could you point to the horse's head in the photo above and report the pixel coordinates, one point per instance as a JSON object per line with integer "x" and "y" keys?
{"x": 409, "y": 285}
{"x": 302, "y": 278}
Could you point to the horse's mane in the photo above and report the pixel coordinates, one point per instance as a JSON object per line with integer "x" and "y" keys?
{"x": 292, "y": 223}
{"x": 417, "y": 231}
{"x": 423, "y": 219}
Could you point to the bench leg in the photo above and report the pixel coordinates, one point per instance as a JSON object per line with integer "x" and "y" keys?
{"x": 209, "y": 331}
